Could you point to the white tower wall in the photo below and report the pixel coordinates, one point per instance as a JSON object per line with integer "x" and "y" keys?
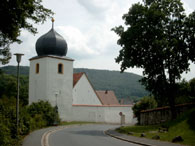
{"x": 49, "y": 85}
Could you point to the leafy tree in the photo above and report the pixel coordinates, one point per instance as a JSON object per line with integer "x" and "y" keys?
{"x": 186, "y": 92}
{"x": 144, "y": 104}
{"x": 18, "y": 14}
{"x": 159, "y": 38}
{"x": 183, "y": 93}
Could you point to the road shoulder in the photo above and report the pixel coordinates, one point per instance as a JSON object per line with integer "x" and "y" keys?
{"x": 138, "y": 140}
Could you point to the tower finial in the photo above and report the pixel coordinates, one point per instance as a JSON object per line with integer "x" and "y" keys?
{"x": 52, "y": 20}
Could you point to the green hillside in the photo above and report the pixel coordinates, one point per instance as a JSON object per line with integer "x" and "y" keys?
{"x": 125, "y": 85}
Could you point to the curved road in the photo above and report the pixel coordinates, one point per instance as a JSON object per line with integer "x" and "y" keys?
{"x": 84, "y": 135}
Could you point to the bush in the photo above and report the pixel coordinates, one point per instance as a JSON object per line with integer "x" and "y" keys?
{"x": 144, "y": 104}
{"x": 5, "y": 135}
{"x": 43, "y": 111}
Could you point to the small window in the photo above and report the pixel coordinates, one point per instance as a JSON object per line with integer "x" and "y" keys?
{"x": 37, "y": 68}
{"x": 60, "y": 68}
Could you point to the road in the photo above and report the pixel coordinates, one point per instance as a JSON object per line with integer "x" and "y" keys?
{"x": 84, "y": 135}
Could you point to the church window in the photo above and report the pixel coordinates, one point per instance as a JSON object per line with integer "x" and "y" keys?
{"x": 37, "y": 68}
{"x": 60, "y": 68}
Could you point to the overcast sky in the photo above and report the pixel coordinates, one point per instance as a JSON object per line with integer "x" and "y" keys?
{"x": 86, "y": 27}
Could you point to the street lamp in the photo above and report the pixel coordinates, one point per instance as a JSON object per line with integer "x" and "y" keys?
{"x": 18, "y": 59}
{"x": 56, "y": 109}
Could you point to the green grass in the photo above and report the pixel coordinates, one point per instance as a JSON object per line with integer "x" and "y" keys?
{"x": 183, "y": 126}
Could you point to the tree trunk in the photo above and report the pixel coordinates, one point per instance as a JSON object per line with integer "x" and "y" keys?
{"x": 172, "y": 104}
{"x": 171, "y": 93}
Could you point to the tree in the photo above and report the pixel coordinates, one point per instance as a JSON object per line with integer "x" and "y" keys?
{"x": 144, "y": 104}
{"x": 159, "y": 38}
{"x": 17, "y": 15}
{"x": 192, "y": 88}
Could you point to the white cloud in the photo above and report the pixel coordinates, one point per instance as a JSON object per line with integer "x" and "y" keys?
{"x": 27, "y": 47}
{"x": 77, "y": 42}
{"x": 188, "y": 6}
{"x": 95, "y": 6}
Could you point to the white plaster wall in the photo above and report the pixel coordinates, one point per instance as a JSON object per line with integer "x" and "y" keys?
{"x": 107, "y": 114}
{"x": 50, "y": 85}
{"x": 83, "y": 93}
{"x": 37, "y": 82}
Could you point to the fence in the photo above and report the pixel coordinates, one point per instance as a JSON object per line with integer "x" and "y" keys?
{"x": 163, "y": 114}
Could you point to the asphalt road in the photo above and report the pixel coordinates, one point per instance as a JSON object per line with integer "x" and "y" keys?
{"x": 84, "y": 135}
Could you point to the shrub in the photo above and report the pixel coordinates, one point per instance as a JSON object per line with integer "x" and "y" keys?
{"x": 43, "y": 111}
{"x": 5, "y": 135}
{"x": 144, "y": 104}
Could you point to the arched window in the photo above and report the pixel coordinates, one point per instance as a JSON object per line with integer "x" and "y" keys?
{"x": 60, "y": 68}
{"x": 37, "y": 68}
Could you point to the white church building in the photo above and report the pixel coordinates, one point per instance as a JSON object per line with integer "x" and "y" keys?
{"x": 52, "y": 79}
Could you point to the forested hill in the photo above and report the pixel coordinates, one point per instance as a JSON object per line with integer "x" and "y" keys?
{"x": 125, "y": 85}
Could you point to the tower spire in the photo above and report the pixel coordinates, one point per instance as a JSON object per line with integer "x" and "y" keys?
{"x": 52, "y": 20}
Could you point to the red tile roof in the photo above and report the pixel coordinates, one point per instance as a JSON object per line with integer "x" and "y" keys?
{"x": 107, "y": 97}
{"x": 76, "y": 77}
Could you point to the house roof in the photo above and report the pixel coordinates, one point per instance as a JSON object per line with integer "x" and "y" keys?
{"x": 76, "y": 77}
{"x": 107, "y": 97}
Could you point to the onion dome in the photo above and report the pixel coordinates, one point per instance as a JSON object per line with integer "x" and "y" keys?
{"x": 51, "y": 43}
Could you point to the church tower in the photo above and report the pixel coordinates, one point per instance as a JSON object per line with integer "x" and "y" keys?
{"x": 51, "y": 73}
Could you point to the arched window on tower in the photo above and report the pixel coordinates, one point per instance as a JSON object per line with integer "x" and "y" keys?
{"x": 37, "y": 68}
{"x": 60, "y": 68}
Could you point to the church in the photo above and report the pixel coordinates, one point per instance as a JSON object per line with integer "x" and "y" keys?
{"x": 51, "y": 78}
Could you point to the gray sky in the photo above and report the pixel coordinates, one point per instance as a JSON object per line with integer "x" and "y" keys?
{"x": 86, "y": 27}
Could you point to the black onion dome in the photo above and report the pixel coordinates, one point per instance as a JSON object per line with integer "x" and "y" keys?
{"x": 51, "y": 43}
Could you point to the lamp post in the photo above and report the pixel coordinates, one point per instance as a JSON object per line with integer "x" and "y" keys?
{"x": 18, "y": 59}
{"x": 56, "y": 109}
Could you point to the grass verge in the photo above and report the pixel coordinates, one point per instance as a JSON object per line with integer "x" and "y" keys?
{"x": 183, "y": 126}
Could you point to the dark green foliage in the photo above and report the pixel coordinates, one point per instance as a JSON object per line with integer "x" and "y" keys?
{"x": 43, "y": 112}
{"x": 7, "y": 121}
{"x": 8, "y": 87}
{"x": 159, "y": 38}
{"x": 191, "y": 120}
{"x": 144, "y": 104}
{"x": 5, "y": 135}
{"x": 192, "y": 88}
{"x": 17, "y": 15}
{"x": 185, "y": 92}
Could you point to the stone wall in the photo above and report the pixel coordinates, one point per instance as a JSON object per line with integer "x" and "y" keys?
{"x": 163, "y": 114}
{"x": 102, "y": 113}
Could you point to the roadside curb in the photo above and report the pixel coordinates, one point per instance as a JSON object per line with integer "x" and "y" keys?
{"x": 127, "y": 140}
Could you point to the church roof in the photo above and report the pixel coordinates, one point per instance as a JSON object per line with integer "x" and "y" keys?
{"x": 51, "y": 43}
{"x": 107, "y": 97}
{"x": 76, "y": 77}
